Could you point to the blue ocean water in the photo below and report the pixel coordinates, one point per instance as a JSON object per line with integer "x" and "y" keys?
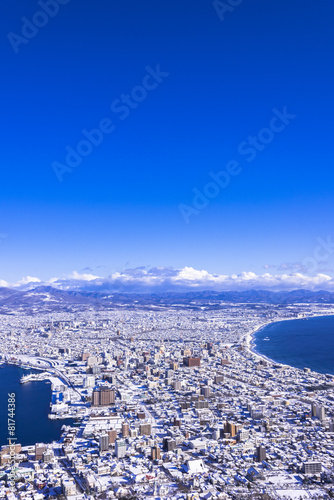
{"x": 32, "y": 408}
{"x": 300, "y": 343}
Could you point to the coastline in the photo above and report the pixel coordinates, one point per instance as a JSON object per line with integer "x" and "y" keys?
{"x": 249, "y": 339}
{"x": 52, "y": 375}
{"x": 32, "y": 405}
{"x": 54, "y": 380}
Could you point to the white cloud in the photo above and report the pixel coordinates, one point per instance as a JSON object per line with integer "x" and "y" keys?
{"x": 52, "y": 280}
{"x": 28, "y": 279}
{"x": 83, "y": 277}
{"x": 189, "y": 278}
{"x": 166, "y": 279}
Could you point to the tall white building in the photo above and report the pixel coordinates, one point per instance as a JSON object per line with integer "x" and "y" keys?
{"x": 89, "y": 381}
{"x": 120, "y": 448}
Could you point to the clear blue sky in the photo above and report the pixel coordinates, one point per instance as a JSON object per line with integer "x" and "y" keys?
{"x": 120, "y": 206}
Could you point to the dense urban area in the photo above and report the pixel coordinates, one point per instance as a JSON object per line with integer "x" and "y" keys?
{"x": 169, "y": 402}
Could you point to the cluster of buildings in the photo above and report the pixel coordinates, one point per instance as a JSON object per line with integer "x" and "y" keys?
{"x": 170, "y": 403}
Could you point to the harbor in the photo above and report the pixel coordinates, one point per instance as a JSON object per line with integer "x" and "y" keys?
{"x": 35, "y": 377}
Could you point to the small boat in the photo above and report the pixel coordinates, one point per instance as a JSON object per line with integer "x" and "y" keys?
{"x": 267, "y": 338}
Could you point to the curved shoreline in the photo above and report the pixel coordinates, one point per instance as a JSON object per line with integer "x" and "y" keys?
{"x": 249, "y": 339}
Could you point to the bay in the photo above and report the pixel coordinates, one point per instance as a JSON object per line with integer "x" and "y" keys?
{"x": 300, "y": 343}
{"x": 32, "y": 405}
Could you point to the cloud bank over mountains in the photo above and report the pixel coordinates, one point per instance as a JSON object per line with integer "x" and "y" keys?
{"x": 167, "y": 279}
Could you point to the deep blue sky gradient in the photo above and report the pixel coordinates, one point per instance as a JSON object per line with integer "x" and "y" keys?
{"x": 119, "y": 207}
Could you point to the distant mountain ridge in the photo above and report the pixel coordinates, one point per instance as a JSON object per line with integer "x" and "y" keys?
{"x": 48, "y": 299}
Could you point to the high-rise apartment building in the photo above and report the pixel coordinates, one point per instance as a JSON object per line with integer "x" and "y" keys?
{"x": 192, "y": 362}
{"x": 120, "y": 448}
{"x": 104, "y": 442}
{"x": 155, "y": 453}
{"x": 112, "y": 433}
{"x": 125, "y": 430}
{"x": 260, "y": 453}
{"x": 145, "y": 429}
{"x": 103, "y": 396}
{"x": 230, "y": 429}
{"x": 40, "y": 448}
